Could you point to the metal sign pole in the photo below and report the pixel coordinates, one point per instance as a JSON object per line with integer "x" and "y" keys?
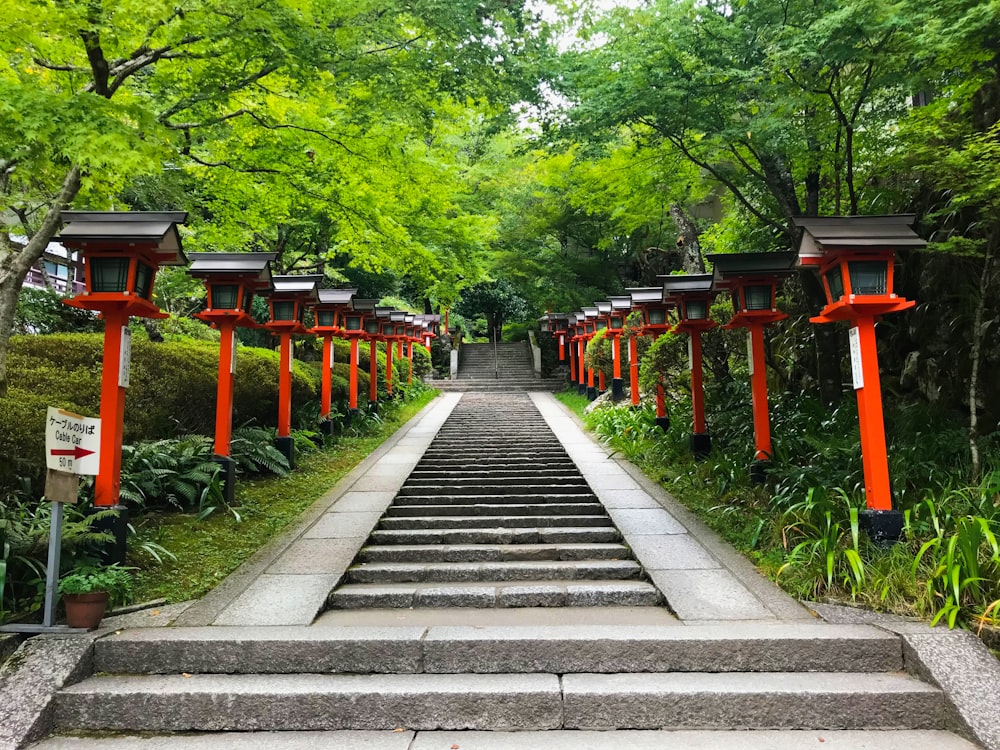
{"x": 52, "y": 573}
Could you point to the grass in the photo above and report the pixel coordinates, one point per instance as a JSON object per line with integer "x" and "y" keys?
{"x": 209, "y": 550}
{"x": 573, "y": 401}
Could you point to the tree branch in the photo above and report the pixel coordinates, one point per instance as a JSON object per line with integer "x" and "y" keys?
{"x": 229, "y": 165}
{"x": 48, "y": 65}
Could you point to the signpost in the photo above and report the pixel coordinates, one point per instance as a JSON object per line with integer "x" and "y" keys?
{"x": 72, "y": 448}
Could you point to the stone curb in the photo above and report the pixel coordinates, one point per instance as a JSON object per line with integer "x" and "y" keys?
{"x": 776, "y": 601}
{"x": 954, "y": 660}
{"x": 30, "y": 679}
{"x": 209, "y": 607}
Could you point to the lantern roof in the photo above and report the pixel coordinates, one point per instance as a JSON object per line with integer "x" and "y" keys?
{"x": 621, "y": 301}
{"x": 383, "y": 312}
{"x": 603, "y": 308}
{"x": 830, "y": 233}
{"x": 398, "y": 316}
{"x": 157, "y": 228}
{"x": 699, "y": 283}
{"x": 411, "y": 318}
{"x": 579, "y": 316}
{"x": 298, "y": 284}
{"x": 336, "y": 296}
{"x": 731, "y": 267}
{"x": 645, "y": 295}
{"x": 589, "y": 312}
{"x": 250, "y": 266}
{"x": 363, "y": 305}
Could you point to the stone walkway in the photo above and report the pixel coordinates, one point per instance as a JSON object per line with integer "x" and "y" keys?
{"x": 701, "y": 577}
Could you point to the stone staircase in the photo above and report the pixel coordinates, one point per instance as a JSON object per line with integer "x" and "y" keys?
{"x": 495, "y": 607}
{"x": 508, "y": 369}
{"x": 495, "y": 515}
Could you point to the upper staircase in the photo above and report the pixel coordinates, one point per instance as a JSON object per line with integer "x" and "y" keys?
{"x": 505, "y": 367}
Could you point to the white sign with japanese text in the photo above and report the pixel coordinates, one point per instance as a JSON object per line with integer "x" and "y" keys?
{"x": 72, "y": 442}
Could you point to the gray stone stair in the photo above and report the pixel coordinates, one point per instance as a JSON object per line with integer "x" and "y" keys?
{"x": 509, "y": 369}
{"x": 456, "y": 511}
{"x": 399, "y": 739}
{"x": 455, "y": 635}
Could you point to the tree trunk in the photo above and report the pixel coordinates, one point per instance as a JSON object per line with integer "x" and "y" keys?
{"x": 15, "y": 266}
{"x": 827, "y": 344}
{"x": 688, "y": 244}
{"x": 977, "y": 349}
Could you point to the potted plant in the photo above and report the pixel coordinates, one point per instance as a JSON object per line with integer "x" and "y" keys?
{"x": 86, "y": 593}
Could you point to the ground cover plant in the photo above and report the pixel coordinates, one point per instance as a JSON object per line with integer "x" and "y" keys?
{"x": 168, "y": 476}
{"x": 802, "y": 528}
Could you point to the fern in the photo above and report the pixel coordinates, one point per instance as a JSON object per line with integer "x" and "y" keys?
{"x": 252, "y": 448}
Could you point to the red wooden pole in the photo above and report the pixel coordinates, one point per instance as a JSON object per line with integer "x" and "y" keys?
{"x": 352, "y": 396}
{"x": 633, "y": 368}
{"x": 409, "y": 356}
{"x": 562, "y": 347}
{"x": 224, "y": 392}
{"x": 388, "y": 367}
{"x": 326, "y": 390}
{"x": 107, "y": 484}
{"x": 602, "y": 385}
{"x": 285, "y": 387}
{"x": 580, "y": 345}
{"x": 697, "y": 385}
{"x": 758, "y": 389}
{"x": 878, "y": 495}
{"x": 372, "y": 372}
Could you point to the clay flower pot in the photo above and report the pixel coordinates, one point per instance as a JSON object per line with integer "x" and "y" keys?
{"x": 85, "y": 610}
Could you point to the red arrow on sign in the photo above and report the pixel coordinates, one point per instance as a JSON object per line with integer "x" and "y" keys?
{"x": 76, "y": 452}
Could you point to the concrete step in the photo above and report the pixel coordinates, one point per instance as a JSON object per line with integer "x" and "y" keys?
{"x": 500, "y": 702}
{"x": 546, "y": 535}
{"x": 488, "y": 479}
{"x": 558, "y": 649}
{"x": 546, "y": 570}
{"x": 500, "y": 509}
{"x": 491, "y": 522}
{"x": 528, "y": 593}
{"x": 491, "y": 552}
{"x": 512, "y": 499}
{"x": 550, "y": 740}
{"x": 494, "y": 488}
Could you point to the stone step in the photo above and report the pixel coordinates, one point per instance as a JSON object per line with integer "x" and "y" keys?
{"x": 491, "y": 552}
{"x": 472, "y": 486}
{"x": 490, "y": 522}
{"x": 494, "y": 488}
{"x": 473, "y": 474}
{"x": 567, "y": 739}
{"x": 559, "y": 649}
{"x": 500, "y": 509}
{"x": 449, "y": 572}
{"x": 499, "y": 702}
{"x": 528, "y": 593}
{"x": 512, "y": 499}
{"x": 510, "y": 480}
{"x": 548, "y": 535}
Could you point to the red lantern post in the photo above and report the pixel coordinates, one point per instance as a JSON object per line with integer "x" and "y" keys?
{"x": 291, "y": 296}
{"x": 752, "y": 280}
{"x": 354, "y": 329}
{"x": 232, "y": 280}
{"x": 620, "y": 307}
{"x": 692, "y": 295}
{"x": 855, "y": 256}
{"x": 121, "y": 253}
{"x": 328, "y": 314}
{"x": 649, "y": 300}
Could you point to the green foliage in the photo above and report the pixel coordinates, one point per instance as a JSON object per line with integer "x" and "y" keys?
{"x": 113, "y": 579}
{"x": 597, "y": 355}
{"x": 171, "y": 472}
{"x": 253, "y": 450}
{"x": 498, "y": 301}
{"x": 43, "y": 311}
{"x": 172, "y": 392}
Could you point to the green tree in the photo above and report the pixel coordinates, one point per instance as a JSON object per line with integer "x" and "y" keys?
{"x": 498, "y": 301}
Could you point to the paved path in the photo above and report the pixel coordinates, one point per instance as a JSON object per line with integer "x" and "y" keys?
{"x": 702, "y": 579}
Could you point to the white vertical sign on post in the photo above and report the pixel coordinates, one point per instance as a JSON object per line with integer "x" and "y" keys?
{"x": 750, "y": 351}
{"x": 124, "y": 363}
{"x": 232, "y": 359}
{"x": 857, "y": 371}
{"x": 331, "y": 353}
{"x": 691, "y": 353}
